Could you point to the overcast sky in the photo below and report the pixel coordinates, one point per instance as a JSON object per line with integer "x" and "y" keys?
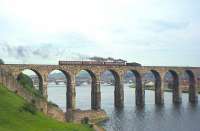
{"x": 151, "y": 32}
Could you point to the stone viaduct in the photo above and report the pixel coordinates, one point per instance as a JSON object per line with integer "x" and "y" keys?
{"x": 118, "y": 72}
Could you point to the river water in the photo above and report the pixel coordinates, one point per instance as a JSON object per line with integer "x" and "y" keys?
{"x": 170, "y": 117}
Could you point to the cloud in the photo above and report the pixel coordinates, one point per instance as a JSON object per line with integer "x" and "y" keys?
{"x": 164, "y": 25}
{"x": 128, "y": 29}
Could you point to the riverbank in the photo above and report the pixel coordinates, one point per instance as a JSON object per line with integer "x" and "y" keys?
{"x": 165, "y": 89}
{"x": 18, "y": 115}
{"x": 91, "y": 117}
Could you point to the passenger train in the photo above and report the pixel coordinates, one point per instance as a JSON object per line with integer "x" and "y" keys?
{"x": 108, "y": 63}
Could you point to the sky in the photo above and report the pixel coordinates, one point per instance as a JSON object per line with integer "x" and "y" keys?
{"x": 150, "y": 32}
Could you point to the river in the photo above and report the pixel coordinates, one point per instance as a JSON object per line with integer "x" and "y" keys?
{"x": 170, "y": 117}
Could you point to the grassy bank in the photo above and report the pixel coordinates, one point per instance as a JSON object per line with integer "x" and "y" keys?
{"x": 17, "y": 115}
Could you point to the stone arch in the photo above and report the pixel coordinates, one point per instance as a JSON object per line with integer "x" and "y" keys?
{"x": 139, "y": 91}
{"x": 90, "y": 72}
{"x": 94, "y": 87}
{"x": 176, "y": 91}
{"x": 40, "y": 79}
{"x": 93, "y": 75}
{"x": 115, "y": 73}
{"x": 118, "y": 87}
{"x": 157, "y": 85}
{"x": 158, "y": 89}
{"x": 67, "y": 76}
{"x": 193, "y": 98}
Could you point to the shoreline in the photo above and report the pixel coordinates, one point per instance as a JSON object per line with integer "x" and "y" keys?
{"x": 165, "y": 90}
{"x": 91, "y": 117}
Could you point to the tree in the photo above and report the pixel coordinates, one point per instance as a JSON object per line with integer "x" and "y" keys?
{"x": 27, "y": 83}
{"x": 1, "y": 61}
{"x": 25, "y": 80}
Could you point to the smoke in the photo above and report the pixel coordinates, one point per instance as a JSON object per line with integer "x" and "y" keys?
{"x": 21, "y": 51}
{"x": 44, "y": 53}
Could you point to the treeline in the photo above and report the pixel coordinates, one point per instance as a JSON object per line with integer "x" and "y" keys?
{"x": 1, "y": 61}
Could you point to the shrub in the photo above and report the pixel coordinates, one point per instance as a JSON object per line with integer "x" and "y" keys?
{"x": 85, "y": 120}
{"x": 50, "y": 103}
{"x": 28, "y": 107}
{"x": 27, "y": 83}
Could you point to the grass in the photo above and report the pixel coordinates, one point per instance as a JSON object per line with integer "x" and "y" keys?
{"x": 14, "y": 117}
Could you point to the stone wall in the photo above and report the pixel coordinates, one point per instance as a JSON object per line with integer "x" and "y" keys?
{"x": 9, "y": 81}
{"x": 56, "y": 113}
{"x": 93, "y": 116}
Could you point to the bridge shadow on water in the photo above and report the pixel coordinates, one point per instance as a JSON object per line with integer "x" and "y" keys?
{"x": 153, "y": 117}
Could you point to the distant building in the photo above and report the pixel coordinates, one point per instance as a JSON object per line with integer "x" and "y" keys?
{"x": 149, "y": 84}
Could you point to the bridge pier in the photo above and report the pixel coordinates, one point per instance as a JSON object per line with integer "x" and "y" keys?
{"x": 139, "y": 93}
{"x": 44, "y": 90}
{"x": 119, "y": 94}
{"x": 71, "y": 96}
{"x": 177, "y": 97}
{"x": 177, "y": 93}
{"x": 159, "y": 94}
{"x": 193, "y": 94}
{"x": 96, "y": 96}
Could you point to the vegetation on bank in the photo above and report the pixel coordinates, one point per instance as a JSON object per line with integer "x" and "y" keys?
{"x": 27, "y": 83}
{"x": 18, "y": 115}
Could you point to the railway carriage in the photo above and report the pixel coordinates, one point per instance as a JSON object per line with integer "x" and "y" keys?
{"x": 107, "y": 63}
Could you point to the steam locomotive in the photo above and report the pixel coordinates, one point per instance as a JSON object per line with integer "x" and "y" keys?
{"x": 109, "y": 63}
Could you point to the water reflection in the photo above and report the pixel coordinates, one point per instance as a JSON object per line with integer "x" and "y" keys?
{"x": 182, "y": 117}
